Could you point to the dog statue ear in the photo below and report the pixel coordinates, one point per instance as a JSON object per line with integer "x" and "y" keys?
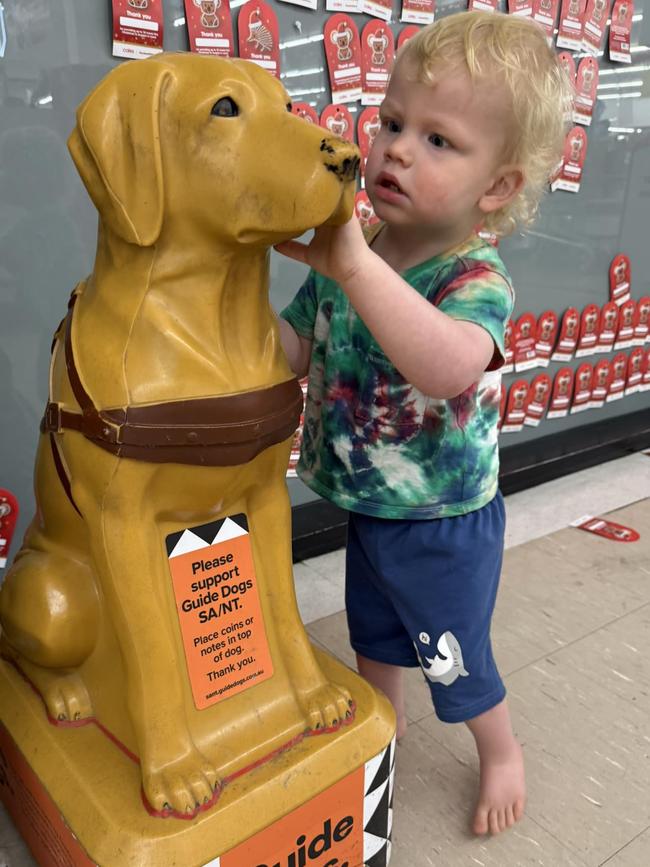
{"x": 116, "y": 149}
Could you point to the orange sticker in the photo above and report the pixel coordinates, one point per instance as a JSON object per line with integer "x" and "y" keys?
{"x": 327, "y": 830}
{"x": 219, "y": 609}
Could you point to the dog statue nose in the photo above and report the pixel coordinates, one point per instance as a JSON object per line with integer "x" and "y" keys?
{"x": 341, "y": 157}
{"x": 348, "y": 168}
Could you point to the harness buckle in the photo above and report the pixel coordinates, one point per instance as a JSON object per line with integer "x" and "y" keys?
{"x": 52, "y": 418}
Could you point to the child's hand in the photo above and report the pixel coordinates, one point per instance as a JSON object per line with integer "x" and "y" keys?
{"x": 335, "y": 251}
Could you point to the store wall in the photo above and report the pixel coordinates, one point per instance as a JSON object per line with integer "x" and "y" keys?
{"x": 57, "y": 50}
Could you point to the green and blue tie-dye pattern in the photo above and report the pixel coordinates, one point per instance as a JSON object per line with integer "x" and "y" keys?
{"x": 372, "y": 443}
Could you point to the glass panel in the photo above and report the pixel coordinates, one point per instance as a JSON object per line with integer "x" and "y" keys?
{"x": 56, "y": 52}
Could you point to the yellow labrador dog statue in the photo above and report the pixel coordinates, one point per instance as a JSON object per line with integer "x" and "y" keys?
{"x": 172, "y": 405}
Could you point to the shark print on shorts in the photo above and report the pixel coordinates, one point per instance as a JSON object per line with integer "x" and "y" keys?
{"x": 447, "y": 665}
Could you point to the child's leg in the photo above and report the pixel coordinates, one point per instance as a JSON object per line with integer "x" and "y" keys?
{"x": 389, "y": 679}
{"x": 502, "y": 793}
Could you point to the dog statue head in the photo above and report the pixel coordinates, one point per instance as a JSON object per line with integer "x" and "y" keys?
{"x": 208, "y": 144}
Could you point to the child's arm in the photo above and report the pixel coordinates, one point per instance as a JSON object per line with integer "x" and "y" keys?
{"x": 439, "y": 355}
{"x": 296, "y": 348}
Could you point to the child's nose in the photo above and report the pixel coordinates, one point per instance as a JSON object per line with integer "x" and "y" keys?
{"x": 399, "y": 149}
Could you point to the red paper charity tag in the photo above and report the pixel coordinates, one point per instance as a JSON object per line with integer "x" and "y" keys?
{"x": 645, "y": 382}
{"x": 516, "y": 407}
{"x": 524, "y": 342}
{"x": 586, "y": 88}
{"x": 588, "y": 340}
{"x": 343, "y": 51}
{"x": 626, "y": 318}
{"x": 305, "y": 111}
{"x": 521, "y": 8}
{"x": 545, "y": 13}
{"x": 378, "y": 8}
{"x": 568, "y": 63}
{"x": 568, "y": 338}
{"x": 620, "y": 278}
{"x": 539, "y": 395}
{"x": 608, "y": 529}
{"x": 642, "y": 321}
{"x": 137, "y": 28}
{"x": 571, "y": 26}
{"x": 259, "y": 38}
{"x": 634, "y": 378}
{"x": 600, "y": 383}
{"x": 620, "y": 31}
{"x": 377, "y": 55}
{"x": 368, "y": 125}
{"x": 483, "y": 5}
{"x": 582, "y": 388}
{"x": 508, "y": 348}
{"x": 418, "y": 11}
{"x": 8, "y": 518}
{"x": 406, "y": 34}
{"x": 364, "y": 209}
{"x": 209, "y": 27}
{"x": 562, "y": 391}
{"x": 595, "y": 21}
{"x": 338, "y": 120}
{"x": 573, "y": 161}
{"x": 547, "y": 326}
{"x": 608, "y": 326}
{"x": 618, "y": 377}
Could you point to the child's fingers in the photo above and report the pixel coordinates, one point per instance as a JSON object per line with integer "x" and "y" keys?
{"x": 293, "y": 249}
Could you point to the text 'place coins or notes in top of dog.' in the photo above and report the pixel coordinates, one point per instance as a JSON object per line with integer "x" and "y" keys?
{"x": 219, "y": 611}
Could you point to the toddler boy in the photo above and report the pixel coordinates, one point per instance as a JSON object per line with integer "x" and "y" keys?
{"x": 402, "y": 333}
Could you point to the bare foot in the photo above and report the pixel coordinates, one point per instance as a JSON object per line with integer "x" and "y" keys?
{"x": 502, "y": 793}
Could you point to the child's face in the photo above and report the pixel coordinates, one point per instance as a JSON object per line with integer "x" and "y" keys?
{"x": 437, "y": 158}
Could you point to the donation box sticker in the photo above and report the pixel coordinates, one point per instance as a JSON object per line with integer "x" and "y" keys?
{"x": 327, "y": 830}
{"x": 219, "y": 612}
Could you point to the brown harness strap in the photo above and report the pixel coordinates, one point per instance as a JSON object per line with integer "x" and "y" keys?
{"x": 223, "y": 430}
{"x": 60, "y": 469}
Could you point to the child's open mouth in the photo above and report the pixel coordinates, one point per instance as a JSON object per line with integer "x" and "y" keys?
{"x": 387, "y": 188}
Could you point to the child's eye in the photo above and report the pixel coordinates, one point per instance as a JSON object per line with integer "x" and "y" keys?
{"x": 438, "y": 141}
{"x": 391, "y": 125}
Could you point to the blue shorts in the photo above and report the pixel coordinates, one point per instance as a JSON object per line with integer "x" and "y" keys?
{"x": 422, "y": 593}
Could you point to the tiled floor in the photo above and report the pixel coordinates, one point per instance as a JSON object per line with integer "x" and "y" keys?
{"x": 572, "y": 639}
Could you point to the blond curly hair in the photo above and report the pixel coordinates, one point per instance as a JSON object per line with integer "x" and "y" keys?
{"x": 495, "y": 47}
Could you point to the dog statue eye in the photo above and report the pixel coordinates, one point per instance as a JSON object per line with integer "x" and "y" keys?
{"x": 225, "y": 107}
{"x": 288, "y": 106}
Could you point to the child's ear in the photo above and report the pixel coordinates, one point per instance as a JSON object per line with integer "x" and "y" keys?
{"x": 508, "y": 183}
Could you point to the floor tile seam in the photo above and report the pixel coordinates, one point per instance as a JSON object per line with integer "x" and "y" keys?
{"x": 629, "y": 842}
{"x": 539, "y": 659}
{"x": 557, "y": 839}
{"x": 450, "y": 752}
{"x": 421, "y": 718}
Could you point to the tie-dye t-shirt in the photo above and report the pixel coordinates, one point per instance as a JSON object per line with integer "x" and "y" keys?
{"x": 373, "y": 443}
